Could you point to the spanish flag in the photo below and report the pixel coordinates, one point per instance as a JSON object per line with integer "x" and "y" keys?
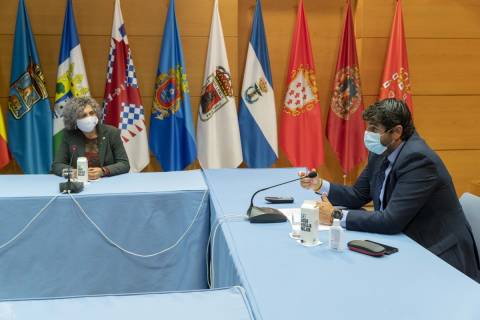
{"x": 4, "y": 153}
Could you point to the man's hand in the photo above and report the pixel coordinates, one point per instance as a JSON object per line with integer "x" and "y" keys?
{"x": 94, "y": 173}
{"x": 310, "y": 183}
{"x": 326, "y": 209}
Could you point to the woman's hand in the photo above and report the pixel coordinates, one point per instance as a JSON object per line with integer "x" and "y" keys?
{"x": 94, "y": 173}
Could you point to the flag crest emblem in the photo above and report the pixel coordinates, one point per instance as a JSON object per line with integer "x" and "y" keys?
{"x": 27, "y": 90}
{"x": 346, "y": 96}
{"x": 302, "y": 93}
{"x": 72, "y": 82}
{"x": 255, "y": 91}
{"x": 398, "y": 82}
{"x": 215, "y": 93}
{"x": 168, "y": 93}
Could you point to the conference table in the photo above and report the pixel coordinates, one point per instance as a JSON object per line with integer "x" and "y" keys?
{"x": 285, "y": 280}
{"x": 131, "y": 233}
{"x": 217, "y": 304}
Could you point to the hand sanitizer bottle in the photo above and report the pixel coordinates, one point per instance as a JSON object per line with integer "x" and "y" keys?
{"x": 337, "y": 236}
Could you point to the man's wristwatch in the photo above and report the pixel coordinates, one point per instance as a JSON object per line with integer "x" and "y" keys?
{"x": 337, "y": 214}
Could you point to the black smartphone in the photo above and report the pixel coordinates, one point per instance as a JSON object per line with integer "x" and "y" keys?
{"x": 279, "y": 199}
{"x": 388, "y": 249}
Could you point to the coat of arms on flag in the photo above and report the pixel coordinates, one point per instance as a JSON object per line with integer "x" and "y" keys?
{"x": 168, "y": 93}
{"x": 27, "y": 90}
{"x": 122, "y": 103}
{"x": 302, "y": 93}
{"x": 398, "y": 82}
{"x": 347, "y": 96}
{"x": 215, "y": 93}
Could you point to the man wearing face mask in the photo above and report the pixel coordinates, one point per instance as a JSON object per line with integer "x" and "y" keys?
{"x": 84, "y": 136}
{"x": 411, "y": 190}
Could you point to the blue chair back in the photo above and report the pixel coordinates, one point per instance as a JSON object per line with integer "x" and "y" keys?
{"x": 471, "y": 207}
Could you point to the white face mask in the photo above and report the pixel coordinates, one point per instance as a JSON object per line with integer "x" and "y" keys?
{"x": 372, "y": 142}
{"x": 87, "y": 124}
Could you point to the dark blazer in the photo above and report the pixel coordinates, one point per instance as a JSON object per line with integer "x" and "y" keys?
{"x": 112, "y": 154}
{"x": 420, "y": 200}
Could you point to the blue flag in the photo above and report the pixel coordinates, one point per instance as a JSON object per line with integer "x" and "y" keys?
{"x": 257, "y": 115}
{"x": 171, "y": 126}
{"x": 29, "y": 116}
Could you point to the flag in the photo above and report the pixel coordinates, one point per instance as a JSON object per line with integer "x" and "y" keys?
{"x": 71, "y": 76}
{"x": 301, "y": 129}
{"x": 218, "y": 135}
{"x": 257, "y": 115}
{"x": 29, "y": 117}
{"x": 172, "y": 137}
{"x": 396, "y": 76}
{"x": 4, "y": 153}
{"x": 345, "y": 127}
{"x": 122, "y": 103}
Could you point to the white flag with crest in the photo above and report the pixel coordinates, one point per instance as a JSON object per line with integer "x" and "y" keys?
{"x": 218, "y": 135}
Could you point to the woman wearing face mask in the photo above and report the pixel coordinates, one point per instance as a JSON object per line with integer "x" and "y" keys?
{"x": 84, "y": 136}
{"x": 410, "y": 187}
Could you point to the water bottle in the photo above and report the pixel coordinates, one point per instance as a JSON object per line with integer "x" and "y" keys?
{"x": 82, "y": 170}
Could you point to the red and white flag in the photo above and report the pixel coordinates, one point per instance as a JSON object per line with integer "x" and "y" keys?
{"x": 122, "y": 103}
{"x": 345, "y": 126}
{"x": 301, "y": 131}
{"x": 396, "y": 75}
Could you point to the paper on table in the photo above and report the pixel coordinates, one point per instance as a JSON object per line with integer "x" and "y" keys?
{"x": 295, "y": 214}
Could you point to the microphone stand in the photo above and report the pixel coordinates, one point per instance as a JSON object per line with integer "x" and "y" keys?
{"x": 70, "y": 186}
{"x": 268, "y": 214}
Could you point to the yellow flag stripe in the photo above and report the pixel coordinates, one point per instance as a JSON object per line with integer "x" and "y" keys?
{"x": 3, "y": 131}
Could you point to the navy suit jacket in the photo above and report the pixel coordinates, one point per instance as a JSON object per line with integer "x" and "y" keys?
{"x": 419, "y": 200}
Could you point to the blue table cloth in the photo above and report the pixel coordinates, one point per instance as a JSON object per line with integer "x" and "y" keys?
{"x": 220, "y": 304}
{"x": 285, "y": 280}
{"x": 62, "y": 254}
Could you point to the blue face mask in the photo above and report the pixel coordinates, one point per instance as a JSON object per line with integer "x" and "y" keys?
{"x": 372, "y": 142}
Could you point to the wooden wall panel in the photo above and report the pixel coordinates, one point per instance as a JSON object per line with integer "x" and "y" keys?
{"x": 146, "y": 17}
{"x": 423, "y": 18}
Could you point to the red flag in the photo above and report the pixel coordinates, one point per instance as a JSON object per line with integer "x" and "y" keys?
{"x": 345, "y": 127}
{"x": 301, "y": 135}
{"x": 396, "y": 76}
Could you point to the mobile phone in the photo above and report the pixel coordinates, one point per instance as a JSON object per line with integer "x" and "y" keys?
{"x": 279, "y": 199}
{"x": 366, "y": 247}
{"x": 388, "y": 249}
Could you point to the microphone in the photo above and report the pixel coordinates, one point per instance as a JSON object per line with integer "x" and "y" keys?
{"x": 70, "y": 186}
{"x": 267, "y": 214}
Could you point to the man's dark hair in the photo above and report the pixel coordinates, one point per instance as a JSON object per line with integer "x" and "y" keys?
{"x": 390, "y": 113}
